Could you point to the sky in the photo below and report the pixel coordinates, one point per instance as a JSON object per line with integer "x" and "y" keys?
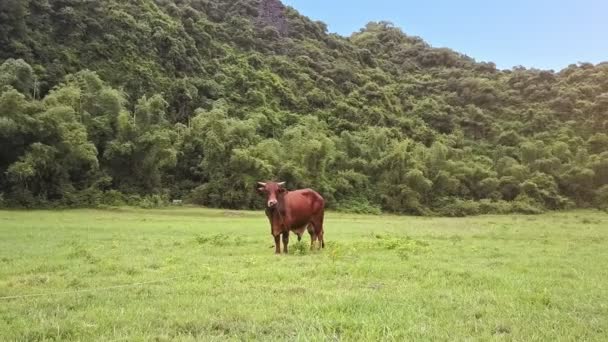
{"x": 544, "y": 34}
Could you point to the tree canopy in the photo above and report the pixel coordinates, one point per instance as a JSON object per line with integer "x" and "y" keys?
{"x": 112, "y": 102}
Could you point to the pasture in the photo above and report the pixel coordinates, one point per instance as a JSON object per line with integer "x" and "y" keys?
{"x": 212, "y": 275}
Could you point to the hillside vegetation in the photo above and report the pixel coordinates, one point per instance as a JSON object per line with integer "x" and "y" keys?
{"x": 137, "y": 102}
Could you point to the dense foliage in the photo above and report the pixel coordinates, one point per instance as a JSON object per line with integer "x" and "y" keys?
{"x": 111, "y": 102}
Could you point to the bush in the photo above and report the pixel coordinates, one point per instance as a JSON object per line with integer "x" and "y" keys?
{"x": 358, "y": 206}
{"x": 554, "y": 201}
{"x": 91, "y": 197}
{"x": 526, "y": 205}
{"x": 23, "y": 198}
{"x": 200, "y": 195}
{"x": 299, "y": 248}
{"x": 458, "y": 208}
{"x": 487, "y": 206}
{"x": 114, "y": 198}
{"x": 153, "y": 201}
{"x": 601, "y": 198}
{"x": 133, "y": 199}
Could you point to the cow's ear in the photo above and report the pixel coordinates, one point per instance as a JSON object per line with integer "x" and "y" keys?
{"x": 281, "y": 189}
{"x": 261, "y": 190}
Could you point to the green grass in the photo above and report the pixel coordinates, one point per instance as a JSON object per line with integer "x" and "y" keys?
{"x": 520, "y": 278}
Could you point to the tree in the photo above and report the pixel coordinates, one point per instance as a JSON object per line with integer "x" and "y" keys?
{"x": 598, "y": 143}
{"x": 18, "y": 74}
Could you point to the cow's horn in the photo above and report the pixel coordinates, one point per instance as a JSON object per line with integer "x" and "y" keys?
{"x": 282, "y": 183}
{"x": 262, "y": 184}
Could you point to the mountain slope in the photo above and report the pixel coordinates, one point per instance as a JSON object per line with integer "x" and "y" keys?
{"x": 200, "y": 99}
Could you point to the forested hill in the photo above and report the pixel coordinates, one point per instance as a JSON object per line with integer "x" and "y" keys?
{"x": 113, "y": 102}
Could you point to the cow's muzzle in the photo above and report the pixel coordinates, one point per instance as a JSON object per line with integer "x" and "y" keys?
{"x": 272, "y": 203}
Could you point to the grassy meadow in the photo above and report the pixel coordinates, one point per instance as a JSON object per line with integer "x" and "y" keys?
{"x": 212, "y": 275}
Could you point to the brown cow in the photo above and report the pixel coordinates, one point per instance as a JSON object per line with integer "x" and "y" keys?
{"x": 295, "y": 211}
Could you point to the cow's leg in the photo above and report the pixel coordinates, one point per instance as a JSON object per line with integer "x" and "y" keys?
{"x": 313, "y": 238}
{"x": 285, "y": 241}
{"x": 321, "y": 240}
{"x": 277, "y": 244}
{"x": 317, "y": 224}
{"x": 312, "y": 234}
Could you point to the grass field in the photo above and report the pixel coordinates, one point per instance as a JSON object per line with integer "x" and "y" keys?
{"x": 520, "y": 278}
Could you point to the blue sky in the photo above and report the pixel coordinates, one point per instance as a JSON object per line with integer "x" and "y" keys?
{"x": 543, "y": 34}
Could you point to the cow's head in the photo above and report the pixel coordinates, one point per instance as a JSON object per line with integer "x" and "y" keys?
{"x": 272, "y": 190}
